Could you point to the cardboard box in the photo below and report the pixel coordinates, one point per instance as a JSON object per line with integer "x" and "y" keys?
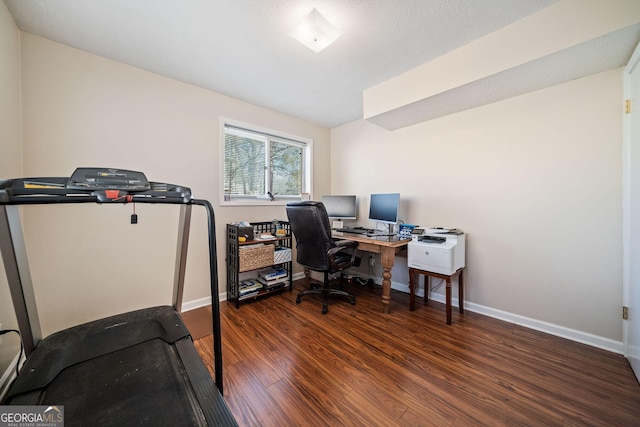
{"x": 281, "y": 254}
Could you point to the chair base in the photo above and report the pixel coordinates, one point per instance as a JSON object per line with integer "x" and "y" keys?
{"x": 328, "y": 292}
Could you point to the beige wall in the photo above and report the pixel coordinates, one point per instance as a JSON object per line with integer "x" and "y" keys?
{"x": 10, "y": 156}
{"x": 84, "y": 110}
{"x": 534, "y": 181}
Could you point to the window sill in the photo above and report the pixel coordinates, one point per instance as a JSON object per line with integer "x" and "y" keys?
{"x": 259, "y": 202}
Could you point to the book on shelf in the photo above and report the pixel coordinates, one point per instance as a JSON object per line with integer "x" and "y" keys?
{"x": 249, "y": 286}
{"x": 273, "y": 273}
{"x": 249, "y": 294}
{"x": 270, "y": 284}
{"x": 278, "y": 285}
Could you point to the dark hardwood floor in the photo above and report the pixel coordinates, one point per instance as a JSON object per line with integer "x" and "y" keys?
{"x": 290, "y": 365}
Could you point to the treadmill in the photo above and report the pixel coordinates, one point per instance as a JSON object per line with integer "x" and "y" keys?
{"x": 134, "y": 368}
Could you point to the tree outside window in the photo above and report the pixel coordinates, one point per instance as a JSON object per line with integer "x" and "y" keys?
{"x": 257, "y": 163}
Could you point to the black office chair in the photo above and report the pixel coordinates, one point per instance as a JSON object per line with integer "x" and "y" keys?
{"x": 317, "y": 250}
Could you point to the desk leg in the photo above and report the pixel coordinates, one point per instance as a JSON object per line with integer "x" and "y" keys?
{"x": 461, "y": 291}
{"x": 412, "y": 288}
{"x": 427, "y": 288}
{"x": 387, "y": 256}
{"x": 448, "y": 279}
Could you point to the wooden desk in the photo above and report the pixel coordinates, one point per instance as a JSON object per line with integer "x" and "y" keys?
{"x": 387, "y": 247}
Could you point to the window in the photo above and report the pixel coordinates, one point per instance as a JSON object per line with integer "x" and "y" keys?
{"x": 261, "y": 166}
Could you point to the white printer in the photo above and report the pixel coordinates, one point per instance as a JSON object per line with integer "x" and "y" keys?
{"x": 439, "y": 250}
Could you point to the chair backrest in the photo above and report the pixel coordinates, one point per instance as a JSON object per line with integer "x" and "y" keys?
{"x": 310, "y": 226}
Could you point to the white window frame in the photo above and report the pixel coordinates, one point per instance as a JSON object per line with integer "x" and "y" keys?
{"x": 305, "y": 144}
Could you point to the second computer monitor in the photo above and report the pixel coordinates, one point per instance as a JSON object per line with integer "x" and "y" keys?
{"x": 340, "y": 207}
{"x": 384, "y": 207}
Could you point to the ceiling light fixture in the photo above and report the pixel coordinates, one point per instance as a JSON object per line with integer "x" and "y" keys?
{"x": 315, "y": 32}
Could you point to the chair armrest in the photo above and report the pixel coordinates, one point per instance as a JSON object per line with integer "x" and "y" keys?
{"x": 346, "y": 243}
{"x": 341, "y": 245}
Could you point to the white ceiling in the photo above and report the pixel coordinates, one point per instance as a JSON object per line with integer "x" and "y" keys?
{"x": 240, "y": 48}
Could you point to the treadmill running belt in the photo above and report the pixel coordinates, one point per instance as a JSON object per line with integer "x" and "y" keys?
{"x": 141, "y": 385}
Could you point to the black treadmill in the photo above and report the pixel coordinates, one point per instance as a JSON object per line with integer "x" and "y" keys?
{"x": 135, "y": 368}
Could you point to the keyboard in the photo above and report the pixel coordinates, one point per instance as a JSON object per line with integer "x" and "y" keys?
{"x": 355, "y": 230}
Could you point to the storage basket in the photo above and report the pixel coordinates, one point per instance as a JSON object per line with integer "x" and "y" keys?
{"x": 253, "y": 257}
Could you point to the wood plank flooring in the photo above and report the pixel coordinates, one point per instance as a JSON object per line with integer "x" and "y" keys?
{"x": 290, "y": 365}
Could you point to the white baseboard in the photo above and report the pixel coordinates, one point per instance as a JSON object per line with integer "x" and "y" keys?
{"x": 549, "y": 328}
{"x": 538, "y": 325}
{"x": 201, "y": 302}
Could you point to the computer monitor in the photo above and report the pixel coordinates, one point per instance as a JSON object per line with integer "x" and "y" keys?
{"x": 340, "y": 207}
{"x": 384, "y": 208}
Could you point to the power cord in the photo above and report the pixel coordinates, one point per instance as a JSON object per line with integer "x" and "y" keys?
{"x": 432, "y": 288}
{"x": 6, "y": 331}
{"x": 362, "y": 281}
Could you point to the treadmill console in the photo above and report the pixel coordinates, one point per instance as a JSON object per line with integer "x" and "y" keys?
{"x": 108, "y": 179}
{"x": 92, "y": 184}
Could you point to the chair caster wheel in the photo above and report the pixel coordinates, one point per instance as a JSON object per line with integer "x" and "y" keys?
{"x": 353, "y": 302}
{"x": 324, "y": 310}
{"x": 298, "y": 300}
